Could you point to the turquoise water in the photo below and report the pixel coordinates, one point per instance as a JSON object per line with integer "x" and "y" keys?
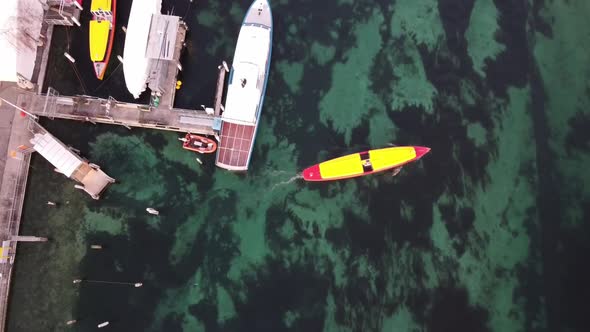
{"x": 488, "y": 232}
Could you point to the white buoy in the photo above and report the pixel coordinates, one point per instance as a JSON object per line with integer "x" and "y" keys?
{"x": 199, "y": 161}
{"x": 51, "y": 203}
{"x": 71, "y": 58}
{"x": 96, "y": 246}
{"x": 75, "y": 20}
{"x": 78, "y": 5}
{"x": 179, "y": 66}
{"x": 222, "y": 107}
{"x": 120, "y": 58}
{"x": 71, "y": 322}
{"x": 182, "y": 139}
{"x": 225, "y": 66}
{"x": 101, "y": 325}
{"x": 152, "y": 211}
{"x": 138, "y": 284}
{"x": 124, "y": 28}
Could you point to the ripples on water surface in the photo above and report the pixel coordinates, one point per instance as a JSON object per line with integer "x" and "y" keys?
{"x": 486, "y": 233}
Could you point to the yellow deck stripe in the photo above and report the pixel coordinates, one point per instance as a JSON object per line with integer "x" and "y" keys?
{"x": 99, "y": 38}
{"x": 105, "y": 5}
{"x": 381, "y": 159}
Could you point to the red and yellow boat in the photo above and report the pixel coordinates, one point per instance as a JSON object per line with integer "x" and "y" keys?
{"x": 198, "y": 143}
{"x": 364, "y": 163}
{"x": 101, "y": 34}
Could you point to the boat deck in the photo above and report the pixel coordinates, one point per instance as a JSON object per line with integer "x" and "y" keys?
{"x": 235, "y": 146}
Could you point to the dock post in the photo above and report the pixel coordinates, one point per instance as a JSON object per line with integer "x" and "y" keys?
{"x": 69, "y": 57}
{"x": 75, "y": 20}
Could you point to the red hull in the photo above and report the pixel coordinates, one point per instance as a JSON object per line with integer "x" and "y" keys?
{"x": 199, "y": 144}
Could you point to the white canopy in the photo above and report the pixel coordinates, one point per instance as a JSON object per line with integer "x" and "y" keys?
{"x": 20, "y": 27}
{"x": 136, "y": 64}
{"x": 244, "y": 95}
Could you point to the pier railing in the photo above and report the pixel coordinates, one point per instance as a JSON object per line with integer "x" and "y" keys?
{"x": 50, "y": 103}
{"x": 12, "y": 203}
{"x": 110, "y": 111}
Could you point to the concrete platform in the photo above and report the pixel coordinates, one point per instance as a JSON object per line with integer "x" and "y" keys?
{"x": 15, "y": 166}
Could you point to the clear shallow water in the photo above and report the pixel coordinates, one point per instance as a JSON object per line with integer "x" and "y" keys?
{"x": 486, "y": 233}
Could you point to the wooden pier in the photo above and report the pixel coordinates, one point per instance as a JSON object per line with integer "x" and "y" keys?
{"x": 14, "y": 162}
{"x": 15, "y": 165}
{"x": 110, "y": 111}
{"x": 164, "y": 48}
{"x": 161, "y": 115}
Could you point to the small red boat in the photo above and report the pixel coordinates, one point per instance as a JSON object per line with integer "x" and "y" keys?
{"x": 198, "y": 143}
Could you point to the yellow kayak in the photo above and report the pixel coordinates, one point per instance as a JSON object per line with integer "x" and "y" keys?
{"x": 364, "y": 163}
{"x": 101, "y": 34}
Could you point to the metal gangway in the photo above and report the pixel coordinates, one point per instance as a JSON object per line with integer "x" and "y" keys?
{"x": 90, "y": 177}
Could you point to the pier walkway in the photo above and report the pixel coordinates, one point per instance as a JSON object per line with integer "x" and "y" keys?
{"x": 15, "y": 165}
{"x": 110, "y": 111}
